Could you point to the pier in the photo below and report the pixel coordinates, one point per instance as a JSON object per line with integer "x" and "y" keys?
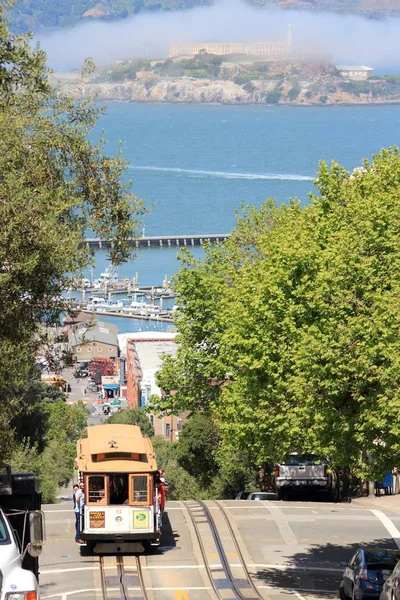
{"x": 164, "y": 241}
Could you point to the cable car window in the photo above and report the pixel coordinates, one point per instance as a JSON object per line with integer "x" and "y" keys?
{"x": 97, "y": 489}
{"x": 140, "y": 489}
{"x": 119, "y": 488}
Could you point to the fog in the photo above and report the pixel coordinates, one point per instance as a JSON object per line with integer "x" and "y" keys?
{"x": 346, "y": 39}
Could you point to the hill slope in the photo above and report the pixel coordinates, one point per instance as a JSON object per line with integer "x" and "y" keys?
{"x": 34, "y": 15}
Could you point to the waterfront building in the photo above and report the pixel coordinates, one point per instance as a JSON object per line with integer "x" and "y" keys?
{"x": 99, "y": 341}
{"x": 355, "y": 73}
{"x": 265, "y": 49}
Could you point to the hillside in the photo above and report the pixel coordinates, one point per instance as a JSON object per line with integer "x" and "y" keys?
{"x": 208, "y": 78}
{"x": 36, "y": 15}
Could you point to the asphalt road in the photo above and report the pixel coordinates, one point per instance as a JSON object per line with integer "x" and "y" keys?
{"x": 292, "y": 549}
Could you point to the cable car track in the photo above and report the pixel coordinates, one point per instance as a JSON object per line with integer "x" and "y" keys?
{"x": 121, "y": 581}
{"x": 242, "y": 587}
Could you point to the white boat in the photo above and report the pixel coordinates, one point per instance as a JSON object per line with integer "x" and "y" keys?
{"x": 102, "y": 304}
{"x": 145, "y": 310}
{"x": 110, "y": 275}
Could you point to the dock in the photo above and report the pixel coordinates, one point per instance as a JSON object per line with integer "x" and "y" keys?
{"x": 164, "y": 241}
{"x": 109, "y": 313}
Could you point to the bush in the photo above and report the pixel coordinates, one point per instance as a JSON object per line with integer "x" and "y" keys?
{"x": 293, "y": 92}
{"x": 249, "y": 87}
{"x": 273, "y": 96}
{"x": 323, "y": 99}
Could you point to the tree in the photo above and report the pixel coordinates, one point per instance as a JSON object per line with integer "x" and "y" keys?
{"x": 54, "y": 186}
{"x": 99, "y": 367}
{"x": 289, "y": 332}
{"x": 133, "y": 416}
{"x": 196, "y": 448}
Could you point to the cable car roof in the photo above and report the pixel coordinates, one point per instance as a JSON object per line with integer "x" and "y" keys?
{"x": 115, "y": 448}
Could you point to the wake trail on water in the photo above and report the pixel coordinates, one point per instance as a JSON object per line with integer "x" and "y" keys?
{"x": 225, "y": 174}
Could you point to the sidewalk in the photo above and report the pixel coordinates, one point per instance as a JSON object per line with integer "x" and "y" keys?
{"x": 391, "y": 503}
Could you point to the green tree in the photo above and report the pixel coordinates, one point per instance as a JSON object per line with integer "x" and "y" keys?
{"x": 197, "y": 447}
{"x": 54, "y": 186}
{"x": 133, "y": 416}
{"x": 289, "y": 332}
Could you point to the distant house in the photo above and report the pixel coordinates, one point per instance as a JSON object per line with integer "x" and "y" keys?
{"x": 356, "y": 73}
{"x": 99, "y": 341}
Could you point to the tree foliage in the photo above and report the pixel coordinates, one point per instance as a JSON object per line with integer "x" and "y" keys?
{"x": 133, "y": 416}
{"x": 99, "y": 367}
{"x": 197, "y": 447}
{"x": 54, "y": 186}
{"x": 289, "y": 332}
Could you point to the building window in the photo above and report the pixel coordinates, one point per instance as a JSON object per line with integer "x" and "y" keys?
{"x": 89, "y": 349}
{"x": 168, "y": 430}
{"x": 110, "y": 349}
{"x": 79, "y": 349}
{"x": 152, "y": 419}
{"x": 99, "y": 349}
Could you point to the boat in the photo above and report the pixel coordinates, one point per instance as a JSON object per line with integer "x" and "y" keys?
{"x": 101, "y": 304}
{"x": 110, "y": 275}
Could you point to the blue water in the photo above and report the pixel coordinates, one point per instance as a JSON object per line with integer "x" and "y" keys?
{"x": 198, "y": 163}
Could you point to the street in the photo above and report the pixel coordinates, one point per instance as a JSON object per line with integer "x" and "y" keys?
{"x": 291, "y": 549}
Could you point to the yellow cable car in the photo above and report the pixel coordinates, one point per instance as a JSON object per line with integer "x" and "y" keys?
{"x": 119, "y": 470}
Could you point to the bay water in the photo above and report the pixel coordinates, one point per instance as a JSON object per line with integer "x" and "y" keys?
{"x": 196, "y": 164}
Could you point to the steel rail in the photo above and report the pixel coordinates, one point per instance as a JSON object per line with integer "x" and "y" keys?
{"x": 224, "y": 558}
{"x": 202, "y": 550}
{"x": 103, "y": 579}
{"x": 121, "y": 573}
{"x": 140, "y": 578}
{"x": 238, "y": 550}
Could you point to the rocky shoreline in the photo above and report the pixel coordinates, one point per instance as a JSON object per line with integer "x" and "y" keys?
{"x": 203, "y": 91}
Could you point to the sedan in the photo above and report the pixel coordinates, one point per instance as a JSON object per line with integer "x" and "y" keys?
{"x": 262, "y": 496}
{"x": 391, "y": 587}
{"x": 366, "y": 573}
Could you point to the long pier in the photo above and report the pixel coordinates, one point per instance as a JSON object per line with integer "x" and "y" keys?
{"x": 161, "y": 241}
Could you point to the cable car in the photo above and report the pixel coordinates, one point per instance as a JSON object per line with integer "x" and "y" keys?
{"x": 118, "y": 468}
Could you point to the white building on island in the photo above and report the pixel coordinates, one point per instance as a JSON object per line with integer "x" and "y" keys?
{"x": 356, "y": 73}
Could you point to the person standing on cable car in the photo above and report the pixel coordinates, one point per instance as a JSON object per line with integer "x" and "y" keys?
{"x": 161, "y": 496}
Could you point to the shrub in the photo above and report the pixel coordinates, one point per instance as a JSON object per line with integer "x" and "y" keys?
{"x": 273, "y": 96}
{"x": 293, "y": 92}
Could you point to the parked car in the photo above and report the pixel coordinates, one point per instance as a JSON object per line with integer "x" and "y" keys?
{"x": 366, "y": 573}
{"x": 262, "y": 496}
{"x": 391, "y": 587}
{"x": 242, "y": 495}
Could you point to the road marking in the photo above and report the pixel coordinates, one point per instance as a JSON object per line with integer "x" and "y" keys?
{"x": 389, "y": 525}
{"x": 181, "y": 595}
{"x": 202, "y": 566}
{"x": 303, "y": 590}
{"x": 298, "y": 595}
{"x": 64, "y": 595}
{"x": 295, "y": 567}
{"x": 282, "y": 521}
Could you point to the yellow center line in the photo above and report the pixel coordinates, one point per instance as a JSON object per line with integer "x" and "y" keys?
{"x": 181, "y": 595}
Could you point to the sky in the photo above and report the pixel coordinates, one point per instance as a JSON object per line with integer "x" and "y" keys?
{"x": 346, "y": 39}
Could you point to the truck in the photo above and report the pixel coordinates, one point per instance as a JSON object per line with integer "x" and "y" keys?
{"x": 304, "y": 472}
{"x": 21, "y": 535}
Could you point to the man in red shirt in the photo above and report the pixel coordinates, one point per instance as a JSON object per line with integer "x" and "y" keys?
{"x": 161, "y": 495}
